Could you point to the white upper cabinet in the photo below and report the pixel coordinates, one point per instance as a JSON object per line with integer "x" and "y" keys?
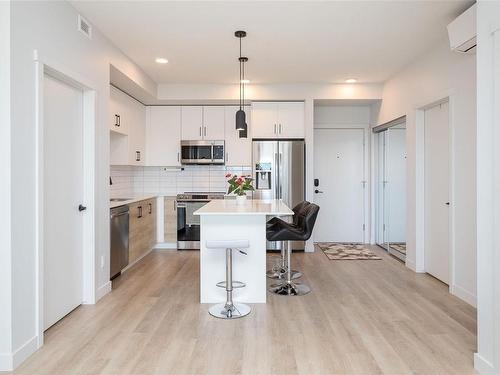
{"x": 117, "y": 118}
{"x": 136, "y": 114}
{"x": 238, "y": 150}
{"x": 163, "y": 136}
{"x": 202, "y": 123}
{"x": 192, "y": 123}
{"x": 128, "y": 129}
{"x": 278, "y": 120}
{"x": 213, "y": 123}
{"x": 291, "y": 120}
{"x": 264, "y": 120}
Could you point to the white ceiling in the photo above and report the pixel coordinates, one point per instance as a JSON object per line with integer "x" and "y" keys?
{"x": 288, "y": 41}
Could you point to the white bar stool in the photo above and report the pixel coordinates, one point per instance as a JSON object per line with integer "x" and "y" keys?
{"x": 229, "y": 309}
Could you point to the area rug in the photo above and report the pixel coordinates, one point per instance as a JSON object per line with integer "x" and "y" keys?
{"x": 401, "y": 247}
{"x": 347, "y": 251}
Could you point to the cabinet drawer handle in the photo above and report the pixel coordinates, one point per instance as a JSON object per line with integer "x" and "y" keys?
{"x": 200, "y": 131}
{"x": 227, "y": 156}
{"x": 205, "y": 131}
{"x": 178, "y": 157}
{"x": 274, "y": 128}
{"x": 140, "y": 212}
{"x": 150, "y": 208}
{"x": 117, "y": 120}
{"x": 137, "y": 156}
{"x": 280, "y": 128}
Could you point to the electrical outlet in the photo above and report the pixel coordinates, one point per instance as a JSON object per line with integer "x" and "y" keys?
{"x": 102, "y": 261}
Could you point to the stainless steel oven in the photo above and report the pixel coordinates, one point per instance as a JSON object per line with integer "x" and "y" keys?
{"x": 188, "y": 225}
{"x": 202, "y": 152}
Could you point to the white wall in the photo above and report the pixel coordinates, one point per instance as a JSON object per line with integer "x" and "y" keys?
{"x": 50, "y": 28}
{"x": 487, "y": 358}
{"x": 5, "y": 218}
{"x": 439, "y": 74}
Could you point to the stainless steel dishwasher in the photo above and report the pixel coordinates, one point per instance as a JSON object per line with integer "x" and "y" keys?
{"x": 119, "y": 240}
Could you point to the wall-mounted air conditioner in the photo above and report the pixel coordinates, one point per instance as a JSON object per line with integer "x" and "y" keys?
{"x": 462, "y": 32}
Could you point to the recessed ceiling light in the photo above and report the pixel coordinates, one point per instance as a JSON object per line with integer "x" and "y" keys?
{"x": 245, "y": 81}
{"x": 351, "y": 80}
{"x": 161, "y": 60}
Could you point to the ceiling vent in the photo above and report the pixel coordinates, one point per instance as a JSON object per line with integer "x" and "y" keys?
{"x": 462, "y": 32}
{"x": 84, "y": 26}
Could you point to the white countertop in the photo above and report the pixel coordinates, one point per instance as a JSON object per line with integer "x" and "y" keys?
{"x": 274, "y": 207}
{"x": 131, "y": 200}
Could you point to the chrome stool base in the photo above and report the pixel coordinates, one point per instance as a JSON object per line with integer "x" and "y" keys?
{"x": 281, "y": 274}
{"x": 222, "y": 311}
{"x": 289, "y": 289}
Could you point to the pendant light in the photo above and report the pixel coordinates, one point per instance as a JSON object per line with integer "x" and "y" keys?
{"x": 241, "y": 123}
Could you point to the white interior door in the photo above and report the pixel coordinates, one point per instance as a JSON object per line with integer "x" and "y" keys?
{"x": 62, "y": 194}
{"x": 436, "y": 193}
{"x": 339, "y": 167}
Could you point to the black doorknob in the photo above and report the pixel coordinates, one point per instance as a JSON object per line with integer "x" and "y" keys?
{"x": 318, "y": 191}
{"x": 81, "y": 207}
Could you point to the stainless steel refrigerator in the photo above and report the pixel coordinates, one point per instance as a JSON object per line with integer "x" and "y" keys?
{"x": 279, "y": 173}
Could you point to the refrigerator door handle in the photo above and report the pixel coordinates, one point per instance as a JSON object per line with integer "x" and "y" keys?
{"x": 276, "y": 168}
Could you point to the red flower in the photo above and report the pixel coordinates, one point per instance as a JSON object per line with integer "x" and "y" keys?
{"x": 239, "y": 181}
{"x": 228, "y": 175}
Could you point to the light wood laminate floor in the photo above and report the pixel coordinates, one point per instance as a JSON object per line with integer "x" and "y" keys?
{"x": 362, "y": 317}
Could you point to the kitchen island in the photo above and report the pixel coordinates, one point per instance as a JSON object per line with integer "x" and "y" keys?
{"x": 228, "y": 220}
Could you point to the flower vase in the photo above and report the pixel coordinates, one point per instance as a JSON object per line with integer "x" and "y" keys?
{"x": 240, "y": 199}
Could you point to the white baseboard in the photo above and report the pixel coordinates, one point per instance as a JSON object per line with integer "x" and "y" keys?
{"x": 483, "y": 366}
{"x": 103, "y": 290}
{"x": 411, "y": 265}
{"x": 463, "y": 294}
{"x": 165, "y": 246}
{"x": 9, "y": 361}
{"x": 6, "y": 362}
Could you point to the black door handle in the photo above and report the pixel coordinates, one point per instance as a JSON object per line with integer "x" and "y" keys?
{"x": 318, "y": 191}
{"x": 81, "y": 207}
{"x": 447, "y": 203}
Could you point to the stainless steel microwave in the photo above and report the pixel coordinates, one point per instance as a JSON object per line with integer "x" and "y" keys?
{"x": 202, "y": 152}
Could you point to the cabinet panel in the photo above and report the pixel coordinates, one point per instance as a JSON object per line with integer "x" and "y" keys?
{"x": 170, "y": 219}
{"x": 238, "y": 150}
{"x": 291, "y": 119}
{"x": 213, "y": 123}
{"x": 264, "y": 120}
{"x": 117, "y": 120}
{"x": 136, "y": 115}
{"x": 163, "y": 136}
{"x": 142, "y": 228}
{"x": 192, "y": 123}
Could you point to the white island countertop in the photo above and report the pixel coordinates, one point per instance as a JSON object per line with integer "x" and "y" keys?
{"x": 271, "y": 207}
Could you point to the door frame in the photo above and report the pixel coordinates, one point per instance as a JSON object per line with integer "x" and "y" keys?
{"x": 419, "y": 265}
{"x": 59, "y": 72}
{"x": 366, "y": 167}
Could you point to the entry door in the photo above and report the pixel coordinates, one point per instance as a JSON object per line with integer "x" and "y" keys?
{"x": 436, "y": 206}
{"x": 63, "y": 192}
{"x": 339, "y": 167}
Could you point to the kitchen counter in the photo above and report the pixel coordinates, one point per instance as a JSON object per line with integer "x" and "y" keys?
{"x": 272, "y": 207}
{"x": 131, "y": 200}
{"x": 227, "y": 220}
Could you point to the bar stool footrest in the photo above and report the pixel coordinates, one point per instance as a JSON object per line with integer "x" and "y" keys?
{"x": 236, "y": 284}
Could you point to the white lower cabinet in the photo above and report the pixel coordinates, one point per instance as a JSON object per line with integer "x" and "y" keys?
{"x": 238, "y": 150}
{"x": 163, "y": 135}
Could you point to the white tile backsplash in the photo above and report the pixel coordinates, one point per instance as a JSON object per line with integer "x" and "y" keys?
{"x": 130, "y": 180}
